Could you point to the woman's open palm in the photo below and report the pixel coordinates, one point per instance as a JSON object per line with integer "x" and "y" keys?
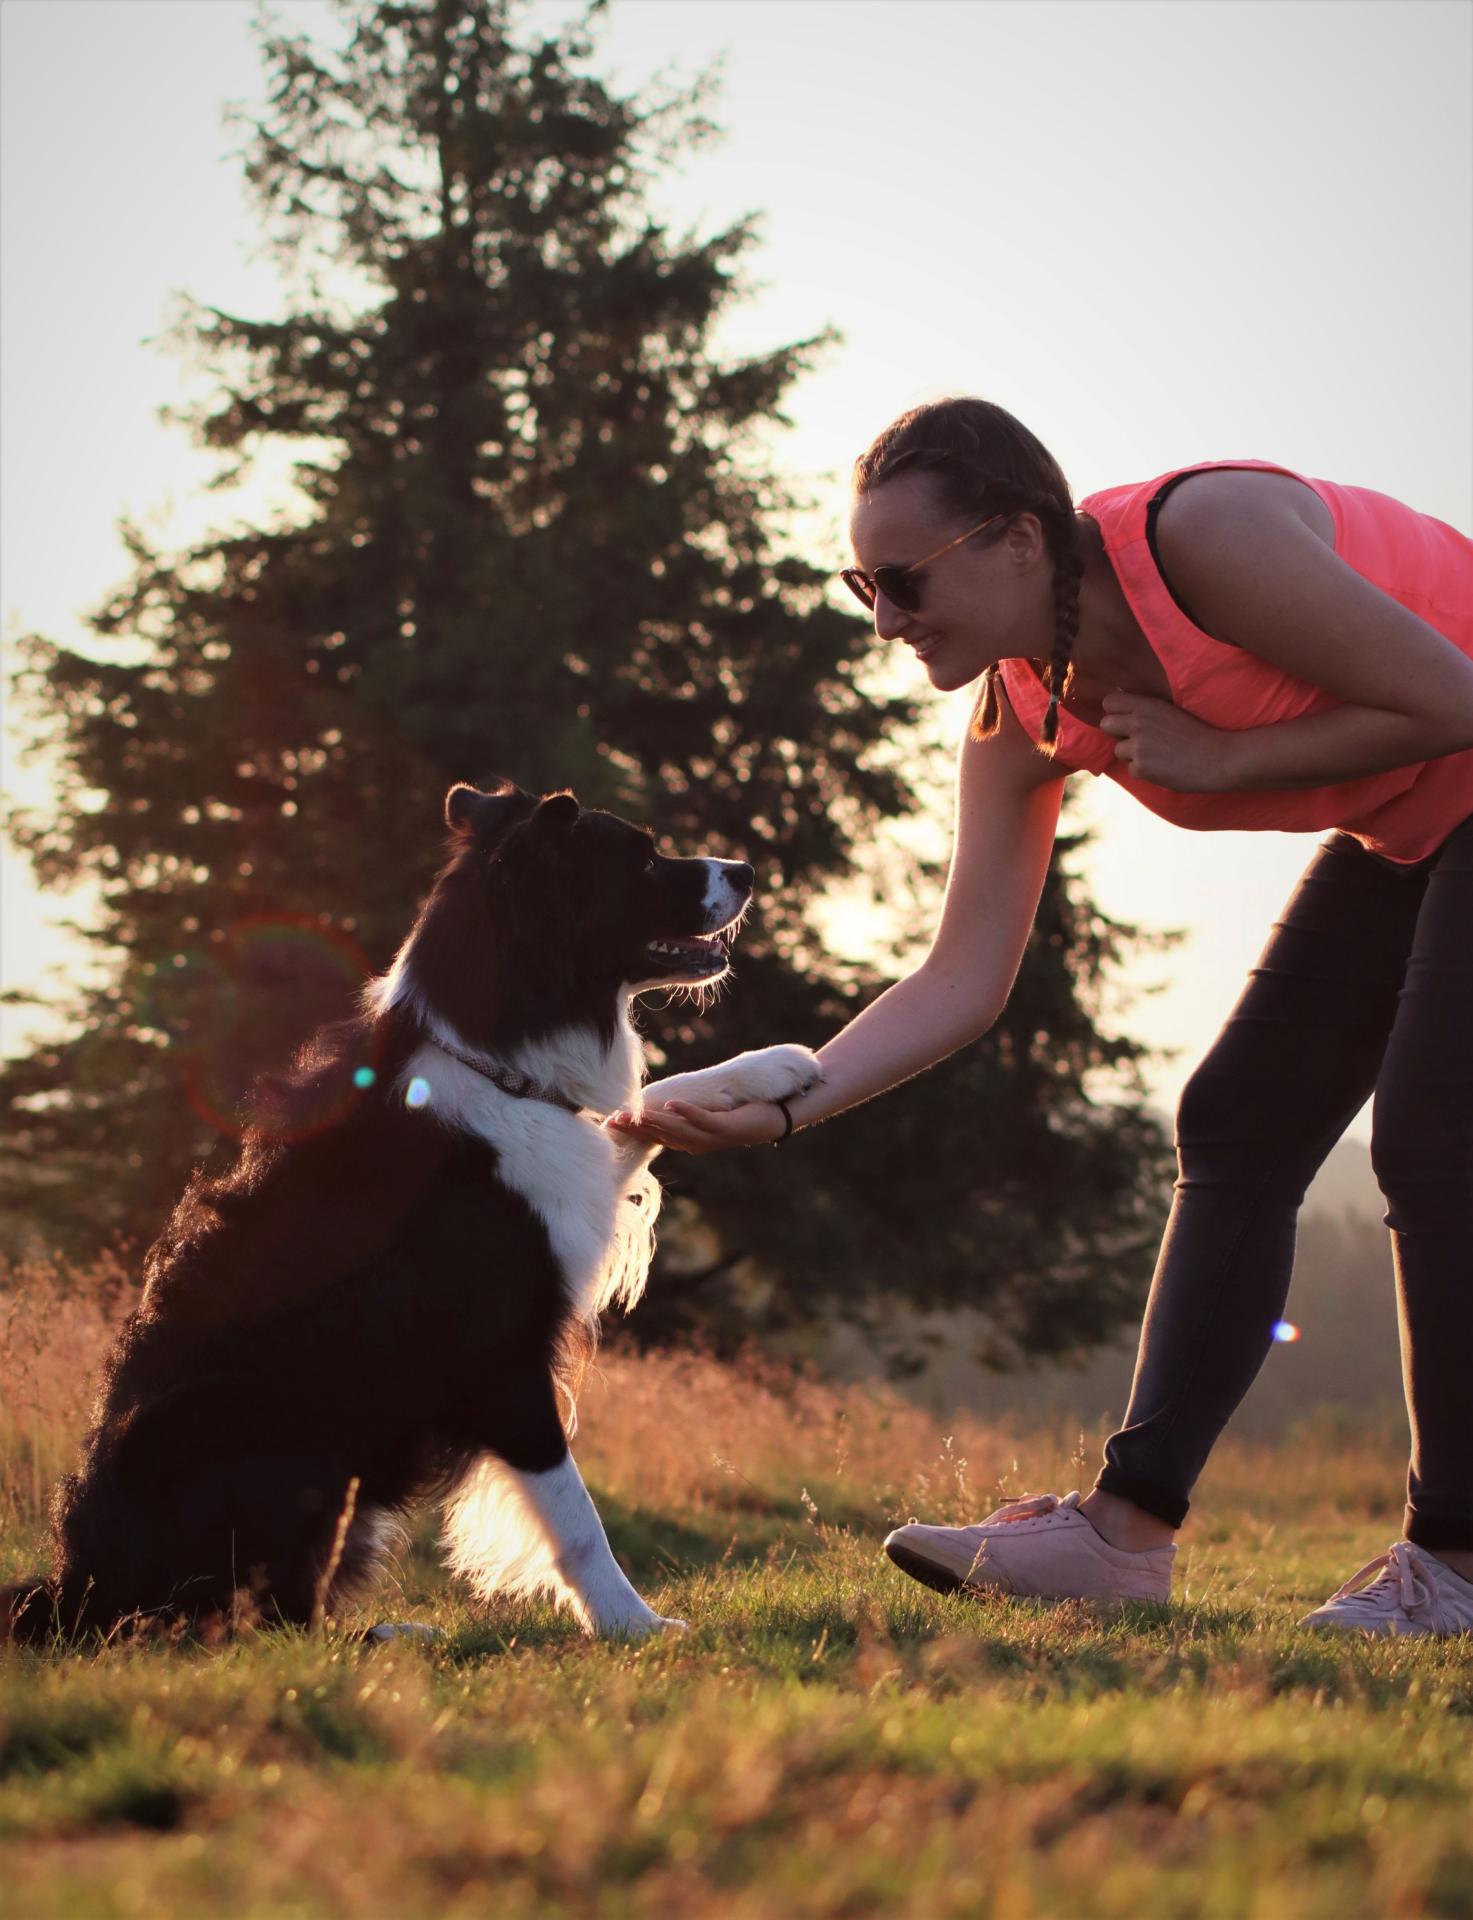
{"x": 691, "y": 1129}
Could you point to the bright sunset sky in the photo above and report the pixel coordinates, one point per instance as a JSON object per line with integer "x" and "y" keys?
{"x": 1159, "y": 231}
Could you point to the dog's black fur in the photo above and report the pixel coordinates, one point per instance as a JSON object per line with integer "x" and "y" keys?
{"x": 361, "y": 1305}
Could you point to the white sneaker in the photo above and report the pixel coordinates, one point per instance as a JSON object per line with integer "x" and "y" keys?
{"x": 1413, "y": 1592}
{"x": 1043, "y": 1546}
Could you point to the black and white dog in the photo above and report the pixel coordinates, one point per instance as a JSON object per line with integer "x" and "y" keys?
{"x": 392, "y": 1290}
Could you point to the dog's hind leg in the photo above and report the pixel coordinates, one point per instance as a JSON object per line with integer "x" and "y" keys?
{"x": 387, "y": 1631}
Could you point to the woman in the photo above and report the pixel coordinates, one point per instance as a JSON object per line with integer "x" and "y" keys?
{"x": 1240, "y": 647}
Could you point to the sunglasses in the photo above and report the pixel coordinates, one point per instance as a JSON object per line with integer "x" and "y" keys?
{"x": 898, "y": 584}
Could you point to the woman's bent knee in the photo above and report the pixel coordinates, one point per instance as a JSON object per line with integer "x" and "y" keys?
{"x": 1235, "y": 1131}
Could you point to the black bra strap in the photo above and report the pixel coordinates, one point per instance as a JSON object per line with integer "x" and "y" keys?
{"x": 1151, "y": 512}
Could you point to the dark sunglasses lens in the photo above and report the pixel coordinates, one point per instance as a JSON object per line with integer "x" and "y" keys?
{"x": 898, "y": 588}
{"x": 860, "y": 585}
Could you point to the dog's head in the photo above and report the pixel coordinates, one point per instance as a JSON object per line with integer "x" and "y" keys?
{"x": 590, "y": 898}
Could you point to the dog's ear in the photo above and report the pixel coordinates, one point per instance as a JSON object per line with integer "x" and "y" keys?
{"x": 486, "y": 816}
{"x": 555, "y": 815}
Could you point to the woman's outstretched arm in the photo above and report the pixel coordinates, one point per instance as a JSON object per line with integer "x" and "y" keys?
{"x": 1007, "y": 810}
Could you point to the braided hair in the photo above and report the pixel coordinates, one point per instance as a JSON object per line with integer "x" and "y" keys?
{"x": 984, "y": 461}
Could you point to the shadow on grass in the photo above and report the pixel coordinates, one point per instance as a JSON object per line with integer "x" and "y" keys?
{"x": 653, "y": 1546}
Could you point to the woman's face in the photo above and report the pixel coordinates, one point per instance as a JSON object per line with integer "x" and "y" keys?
{"x": 988, "y": 599}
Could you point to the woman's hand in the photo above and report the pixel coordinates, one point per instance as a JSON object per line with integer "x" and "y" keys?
{"x": 692, "y": 1129}
{"x": 1160, "y": 743}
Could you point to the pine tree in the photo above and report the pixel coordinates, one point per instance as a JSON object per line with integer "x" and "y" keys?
{"x": 540, "y": 539}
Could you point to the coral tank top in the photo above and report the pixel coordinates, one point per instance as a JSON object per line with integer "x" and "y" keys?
{"x": 1402, "y": 814}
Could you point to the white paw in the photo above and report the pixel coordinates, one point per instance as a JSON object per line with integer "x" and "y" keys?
{"x": 637, "y": 1626}
{"x": 768, "y": 1073}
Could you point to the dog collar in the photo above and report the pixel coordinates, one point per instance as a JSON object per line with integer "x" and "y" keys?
{"x": 520, "y": 1085}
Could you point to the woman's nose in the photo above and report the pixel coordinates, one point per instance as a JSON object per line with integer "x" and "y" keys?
{"x": 890, "y": 621}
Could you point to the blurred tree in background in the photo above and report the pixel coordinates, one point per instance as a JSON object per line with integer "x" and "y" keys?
{"x": 541, "y": 537}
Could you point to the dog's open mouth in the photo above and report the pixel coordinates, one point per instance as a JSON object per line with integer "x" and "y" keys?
{"x": 691, "y": 955}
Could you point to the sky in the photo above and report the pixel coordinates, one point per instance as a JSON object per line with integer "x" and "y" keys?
{"x": 1158, "y": 231}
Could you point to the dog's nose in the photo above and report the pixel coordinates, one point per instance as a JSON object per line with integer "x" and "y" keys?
{"x": 741, "y": 875}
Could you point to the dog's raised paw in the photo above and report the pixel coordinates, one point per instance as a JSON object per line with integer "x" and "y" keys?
{"x": 766, "y": 1073}
{"x": 771, "y": 1073}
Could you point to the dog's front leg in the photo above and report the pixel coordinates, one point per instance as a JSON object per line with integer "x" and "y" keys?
{"x": 585, "y": 1562}
{"x": 520, "y": 1532}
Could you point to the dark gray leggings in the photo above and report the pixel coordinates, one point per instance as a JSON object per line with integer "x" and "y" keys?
{"x": 1366, "y": 984}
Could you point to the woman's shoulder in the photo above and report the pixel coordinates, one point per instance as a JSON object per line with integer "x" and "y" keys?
{"x": 1201, "y": 500}
{"x": 1196, "y": 497}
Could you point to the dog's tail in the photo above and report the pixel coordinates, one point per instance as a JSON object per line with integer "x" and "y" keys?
{"x": 31, "y": 1613}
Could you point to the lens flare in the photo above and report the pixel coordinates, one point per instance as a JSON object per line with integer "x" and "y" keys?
{"x": 418, "y": 1092}
{"x": 243, "y": 1005}
{"x": 1285, "y": 1330}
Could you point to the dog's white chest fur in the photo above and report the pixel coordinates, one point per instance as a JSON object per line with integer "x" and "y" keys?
{"x": 594, "y": 1198}
{"x": 594, "y": 1195}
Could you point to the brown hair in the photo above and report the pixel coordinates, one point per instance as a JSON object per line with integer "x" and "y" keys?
{"x": 984, "y": 461}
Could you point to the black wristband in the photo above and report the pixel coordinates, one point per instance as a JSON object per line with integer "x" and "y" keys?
{"x": 787, "y": 1119}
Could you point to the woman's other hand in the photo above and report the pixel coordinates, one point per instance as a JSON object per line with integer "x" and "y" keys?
{"x": 1160, "y": 743}
{"x": 688, "y": 1128}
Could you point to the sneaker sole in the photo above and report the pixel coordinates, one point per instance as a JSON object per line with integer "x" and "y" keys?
{"x": 939, "y": 1578}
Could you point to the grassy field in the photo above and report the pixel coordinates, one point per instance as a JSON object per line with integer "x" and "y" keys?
{"x": 828, "y": 1739}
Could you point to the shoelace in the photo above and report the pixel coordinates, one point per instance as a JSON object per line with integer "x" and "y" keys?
{"x": 1030, "y": 1508}
{"x": 1403, "y": 1579}
{"x": 1035, "y": 1504}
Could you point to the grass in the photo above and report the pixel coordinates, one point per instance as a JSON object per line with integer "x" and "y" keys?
{"x": 829, "y": 1738}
